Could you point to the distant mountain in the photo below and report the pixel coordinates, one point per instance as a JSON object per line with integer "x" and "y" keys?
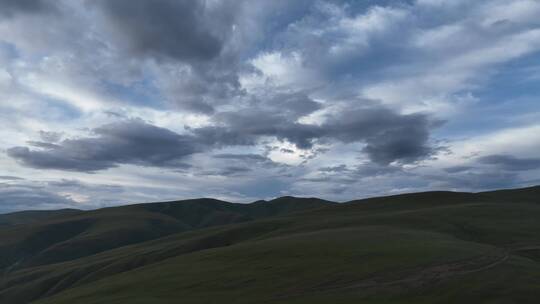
{"x": 33, "y": 238}
{"x": 432, "y": 247}
{"x": 28, "y": 217}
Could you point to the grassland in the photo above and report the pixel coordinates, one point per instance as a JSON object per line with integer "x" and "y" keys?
{"x": 433, "y": 247}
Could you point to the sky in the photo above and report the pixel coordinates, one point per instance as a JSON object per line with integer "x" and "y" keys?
{"x": 113, "y": 102}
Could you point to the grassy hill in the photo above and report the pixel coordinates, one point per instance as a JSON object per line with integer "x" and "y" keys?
{"x": 28, "y": 217}
{"x": 433, "y": 247}
{"x": 42, "y": 237}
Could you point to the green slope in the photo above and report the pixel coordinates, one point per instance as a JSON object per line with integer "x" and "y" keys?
{"x": 29, "y": 217}
{"x": 49, "y": 239}
{"x": 435, "y": 247}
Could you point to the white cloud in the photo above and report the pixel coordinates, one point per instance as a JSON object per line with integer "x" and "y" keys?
{"x": 66, "y": 73}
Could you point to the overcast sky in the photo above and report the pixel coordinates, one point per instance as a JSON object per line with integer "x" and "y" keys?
{"x": 114, "y": 102}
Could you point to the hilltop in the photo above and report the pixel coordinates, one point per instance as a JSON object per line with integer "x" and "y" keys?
{"x": 431, "y": 247}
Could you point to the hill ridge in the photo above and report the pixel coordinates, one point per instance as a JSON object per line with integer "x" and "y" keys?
{"x": 413, "y": 239}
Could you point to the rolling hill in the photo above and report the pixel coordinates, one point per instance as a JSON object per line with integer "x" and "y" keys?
{"x": 432, "y": 247}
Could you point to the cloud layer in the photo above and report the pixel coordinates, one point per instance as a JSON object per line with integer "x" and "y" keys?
{"x": 244, "y": 100}
{"x": 130, "y": 142}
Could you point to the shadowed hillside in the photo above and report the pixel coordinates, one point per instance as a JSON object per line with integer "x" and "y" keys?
{"x": 40, "y": 237}
{"x": 433, "y": 247}
{"x": 28, "y": 217}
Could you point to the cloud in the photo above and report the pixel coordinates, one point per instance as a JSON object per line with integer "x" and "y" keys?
{"x": 193, "y": 44}
{"x": 10, "y": 178}
{"x": 373, "y": 170}
{"x": 233, "y": 164}
{"x": 9, "y": 8}
{"x": 510, "y": 163}
{"x": 27, "y": 197}
{"x": 397, "y": 53}
{"x": 50, "y": 137}
{"x": 388, "y": 137}
{"x": 127, "y": 142}
{"x": 457, "y": 169}
{"x": 340, "y": 168}
{"x": 342, "y": 175}
{"x": 338, "y": 98}
{"x": 161, "y": 29}
{"x": 227, "y": 171}
{"x": 242, "y": 157}
{"x": 475, "y": 181}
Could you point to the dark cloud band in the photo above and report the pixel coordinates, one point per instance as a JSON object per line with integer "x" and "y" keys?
{"x": 128, "y": 142}
{"x": 388, "y": 137}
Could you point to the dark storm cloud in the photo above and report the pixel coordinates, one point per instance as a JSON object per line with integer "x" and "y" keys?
{"x": 128, "y": 142}
{"x": 164, "y": 28}
{"x": 510, "y": 163}
{"x": 273, "y": 116}
{"x": 244, "y": 127}
{"x": 25, "y": 197}
{"x": 198, "y": 61}
{"x": 9, "y": 8}
{"x": 388, "y": 136}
